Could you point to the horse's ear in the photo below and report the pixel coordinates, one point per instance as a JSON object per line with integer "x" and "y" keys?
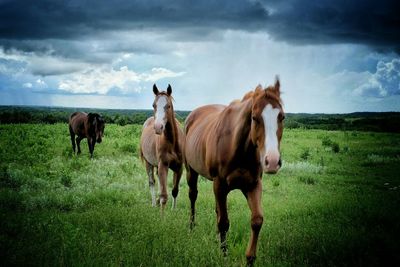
{"x": 155, "y": 89}
{"x": 277, "y": 86}
{"x": 169, "y": 90}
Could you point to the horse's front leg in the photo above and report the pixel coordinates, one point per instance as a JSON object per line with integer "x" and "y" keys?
{"x": 150, "y": 174}
{"x": 91, "y": 143}
{"x": 162, "y": 176}
{"x": 254, "y": 202}
{"x": 175, "y": 189}
{"x": 221, "y": 192}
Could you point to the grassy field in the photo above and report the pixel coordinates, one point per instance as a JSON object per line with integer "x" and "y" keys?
{"x": 334, "y": 203}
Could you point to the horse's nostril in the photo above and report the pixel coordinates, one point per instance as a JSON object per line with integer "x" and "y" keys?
{"x": 266, "y": 162}
{"x": 280, "y": 163}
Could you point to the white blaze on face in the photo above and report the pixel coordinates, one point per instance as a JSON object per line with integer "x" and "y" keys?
{"x": 160, "y": 119}
{"x": 271, "y": 146}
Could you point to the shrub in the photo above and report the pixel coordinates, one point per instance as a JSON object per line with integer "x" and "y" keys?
{"x": 306, "y": 180}
{"x": 66, "y": 180}
{"x": 335, "y": 147}
{"x": 275, "y": 183}
{"x": 305, "y": 154}
{"x": 326, "y": 141}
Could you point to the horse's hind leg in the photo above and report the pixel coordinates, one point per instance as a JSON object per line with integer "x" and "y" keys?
{"x": 175, "y": 190}
{"x": 78, "y": 143}
{"x": 221, "y": 192}
{"x": 254, "y": 202}
{"x": 72, "y": 134}
{"x": 192, "y": 178}
{"x": 152, "y": 182}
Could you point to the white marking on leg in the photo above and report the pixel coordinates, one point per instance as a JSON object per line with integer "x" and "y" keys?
{"x": 270, "y": 118}
{"x": 174, "y": 203}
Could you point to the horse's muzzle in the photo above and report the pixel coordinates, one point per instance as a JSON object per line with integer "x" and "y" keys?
{"x": 158, "y": 128}
{"x": 272, "y": 165}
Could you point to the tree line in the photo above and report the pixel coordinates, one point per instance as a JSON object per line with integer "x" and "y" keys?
{"x": 359, "y": 121}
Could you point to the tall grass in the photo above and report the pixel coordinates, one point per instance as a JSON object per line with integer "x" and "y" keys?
{"x": 322, "y": 208}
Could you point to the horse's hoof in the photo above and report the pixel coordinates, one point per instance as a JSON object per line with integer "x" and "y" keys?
{"x": 191, "y": 225}
{"x": 224, "y": 249}
{"x": 251, "y": 260}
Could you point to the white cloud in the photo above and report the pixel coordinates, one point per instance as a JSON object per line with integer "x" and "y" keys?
{"x": 44, "y": 65}
{"x": 27, "y": 85}
{"x": 104, "y": 80}
{"x": 40, "y": 83}
{"x": 160, "y": 73}
{"x": 384, "y": 82}
{"x": 48, "y": 65}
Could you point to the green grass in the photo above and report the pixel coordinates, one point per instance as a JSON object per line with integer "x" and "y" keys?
{"x": 326, "y": 207}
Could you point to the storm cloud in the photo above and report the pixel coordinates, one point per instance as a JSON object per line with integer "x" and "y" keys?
{"x": 59, "y": 52}
{"x": 373, "y": 23}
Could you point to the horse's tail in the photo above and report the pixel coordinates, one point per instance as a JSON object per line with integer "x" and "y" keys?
{"x": 141, "y": 156}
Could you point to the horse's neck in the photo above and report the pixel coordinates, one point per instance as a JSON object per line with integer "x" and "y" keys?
{"x": 171, "y": 131}
{"x": 242, "y": 126}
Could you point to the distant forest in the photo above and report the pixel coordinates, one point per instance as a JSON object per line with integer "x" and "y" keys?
{"x": 358, "y": 121}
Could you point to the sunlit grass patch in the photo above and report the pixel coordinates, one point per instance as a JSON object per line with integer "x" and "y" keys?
{"x": 375, "y": 158}
{"x": 322, "y": 208}
{"x": 310, "y": 180}
{"x": 303, "y": 167}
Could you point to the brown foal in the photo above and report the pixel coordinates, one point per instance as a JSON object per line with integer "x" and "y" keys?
{"x": 161, "y": 146}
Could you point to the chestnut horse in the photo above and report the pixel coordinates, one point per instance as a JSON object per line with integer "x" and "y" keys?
{"x": 232, "y": 146}
{"x": 161, "y": 146}
{"x": 90, "y": 126}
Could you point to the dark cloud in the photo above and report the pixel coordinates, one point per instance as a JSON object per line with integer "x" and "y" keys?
{"x": 72, "y": 19}
{"x": 373, "y": 23}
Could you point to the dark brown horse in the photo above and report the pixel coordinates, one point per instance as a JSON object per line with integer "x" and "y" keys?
{"x": 232, "y": 146}
{"x": 161, "y": 145}
{"x": 90, "y": 126}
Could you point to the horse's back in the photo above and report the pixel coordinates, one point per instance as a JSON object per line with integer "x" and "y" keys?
{"x": 202, "y": 114}
{"x": 76, "y": 121}
{"x": 199, "y": 125}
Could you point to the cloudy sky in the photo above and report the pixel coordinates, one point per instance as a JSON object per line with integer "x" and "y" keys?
{"x": 333, "y": 56}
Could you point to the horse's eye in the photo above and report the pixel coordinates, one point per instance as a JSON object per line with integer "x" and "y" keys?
{"x": 282, "y": 117}
{"x": 167, "y": 106}
{"x": 255, "y": 119}
{"x": 154, "y": 106}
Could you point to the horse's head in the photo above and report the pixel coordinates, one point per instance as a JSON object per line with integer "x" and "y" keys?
{"x": 267, "y": 126}
{"x": 97, "y": 124}
{"x": 163, "y": 108}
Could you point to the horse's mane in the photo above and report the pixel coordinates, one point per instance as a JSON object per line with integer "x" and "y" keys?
{"x": 268, "y": 92}
{"x": 271, "y": 93}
